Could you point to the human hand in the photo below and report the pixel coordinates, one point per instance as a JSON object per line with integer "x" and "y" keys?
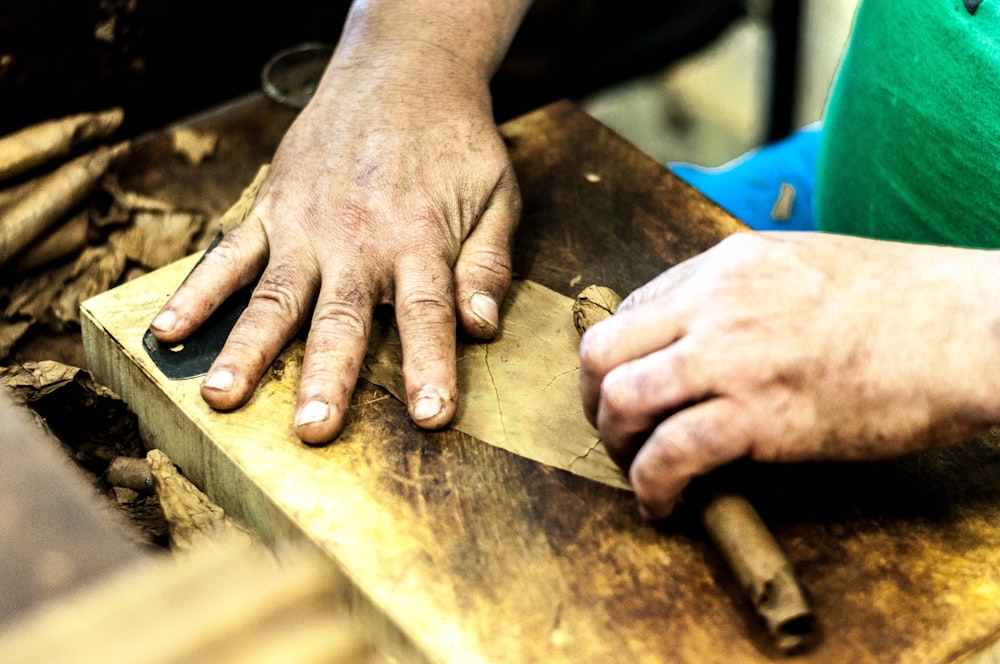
{"x": 792, "y": 347}
{"x": 392, "y": 186}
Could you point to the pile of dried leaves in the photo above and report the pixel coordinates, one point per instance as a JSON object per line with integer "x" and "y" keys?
{"x": 78, "y": 241}
{"x": 71, "y": 231}
{"x": 97, "y": 431}
{"x": 128, "y": 235}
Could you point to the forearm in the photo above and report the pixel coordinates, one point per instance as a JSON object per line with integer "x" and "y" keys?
{"x": 969, "y": 309}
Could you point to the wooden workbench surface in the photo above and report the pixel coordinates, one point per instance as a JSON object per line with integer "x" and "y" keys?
{"x": 472, "y": 553}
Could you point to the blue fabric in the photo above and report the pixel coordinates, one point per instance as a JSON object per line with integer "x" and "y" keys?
{"x": 769, "y": 188}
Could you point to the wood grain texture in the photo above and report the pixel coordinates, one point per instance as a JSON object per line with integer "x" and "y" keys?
{"x": 471, "y": 553}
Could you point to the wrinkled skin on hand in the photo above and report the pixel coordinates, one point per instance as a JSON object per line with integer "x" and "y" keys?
{"x": 384, "y": 190}
{"x": 792, "y": 347}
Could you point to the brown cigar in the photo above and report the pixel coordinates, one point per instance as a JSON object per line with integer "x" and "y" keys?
{"x": 52, "y": 197}
{"x": 46, "y": 141}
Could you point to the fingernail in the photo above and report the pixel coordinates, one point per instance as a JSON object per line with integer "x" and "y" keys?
{"x": 164, "y": 321}
{"x": 427, "y": 406}
{"x": 220, "y": 380}
{"x": 485, "y": 309}
{"x": 312, "y": 412}
{"x": 662, "y": 511}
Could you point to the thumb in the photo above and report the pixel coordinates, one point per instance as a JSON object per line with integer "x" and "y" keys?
{"x": 483, "y": 270}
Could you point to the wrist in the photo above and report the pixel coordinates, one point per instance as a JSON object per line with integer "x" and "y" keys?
{"x": 465, "y": 38}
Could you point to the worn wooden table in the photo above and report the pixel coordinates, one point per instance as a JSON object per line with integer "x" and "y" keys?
{"x": 471, "y": 553}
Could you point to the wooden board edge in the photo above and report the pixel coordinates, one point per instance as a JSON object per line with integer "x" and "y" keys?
{"x": 192, "y": 452}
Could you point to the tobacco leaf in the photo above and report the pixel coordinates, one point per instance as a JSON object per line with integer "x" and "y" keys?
{"x": 88, "y": 418}
{"x": 519, "y": 392}
{"x": 158, "y": 237}
{"x": 193, "y": 519}
{"x": 194, "y": 146}
{"x": 95, "y": 271}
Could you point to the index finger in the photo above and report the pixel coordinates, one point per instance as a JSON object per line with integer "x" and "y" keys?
{"x": 626, "y": 336}
{"x": 649, "y": 319}
{"x": 236, "y": 261}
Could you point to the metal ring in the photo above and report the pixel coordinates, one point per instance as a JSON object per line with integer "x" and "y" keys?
{"x": 291, "y": 76}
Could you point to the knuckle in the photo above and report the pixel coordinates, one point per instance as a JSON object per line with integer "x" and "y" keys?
{"x": 487, "y": 265}
{"x": 280, "y": 299}
{"x": 593, "y": 353}
{"x": 243, "y": 351}
{"x": 709, "y": 441}
{"x": 652, "y": 290}
{"x": 676, "y": 366}
{"x": 219, "y": 270}
{"x": 342, "y": 313}
{"x": 648, "y": 477}
{"x": 337, "y": 339}
{"x": 282, "y": 291}
{"x": 247, "y": 243}
{"x": 618, "y": 393}
{"x": 743, "y": 250}
{"x": 670, "y": 448}
{"x": 225, "y": 255}
{"x": 426, "y": 308}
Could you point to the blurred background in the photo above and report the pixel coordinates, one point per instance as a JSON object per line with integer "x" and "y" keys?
{"x": 684, "y": 80}
{"x": 712, "y": 106}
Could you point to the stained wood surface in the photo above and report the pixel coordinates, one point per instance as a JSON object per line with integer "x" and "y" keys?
{"x": 472, "y": 553}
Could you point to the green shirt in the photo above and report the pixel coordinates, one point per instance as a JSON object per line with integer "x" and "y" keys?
{"x": 911, "y": 136}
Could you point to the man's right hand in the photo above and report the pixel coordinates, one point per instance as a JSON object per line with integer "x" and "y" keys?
{"x": 392, "y": 186}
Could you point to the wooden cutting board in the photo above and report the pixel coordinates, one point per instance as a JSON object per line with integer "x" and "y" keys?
{"x": 466, "y": 552}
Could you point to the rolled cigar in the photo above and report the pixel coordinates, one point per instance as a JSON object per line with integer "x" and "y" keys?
{"x": 67, "y": 238}
{"x": 13, "y": 193}
{"x": 43, "y": 142}
{"x": 755, "y": 558}
{"x": 51, "y": 199}
{"x": 760, "y": 567}
{"x": 130, "y": 473}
